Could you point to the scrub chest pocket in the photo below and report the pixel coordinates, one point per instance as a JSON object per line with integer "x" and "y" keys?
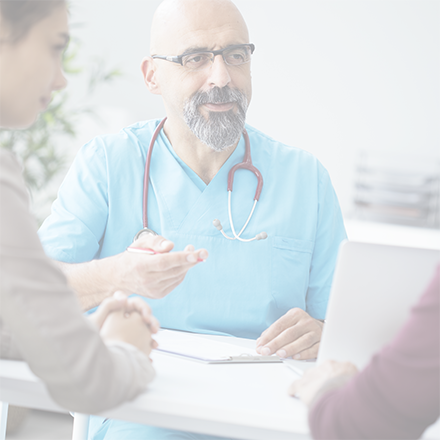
{"x": 290, "y": 272}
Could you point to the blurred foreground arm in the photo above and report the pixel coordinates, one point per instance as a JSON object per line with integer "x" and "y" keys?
{"x": 41, "y": 320}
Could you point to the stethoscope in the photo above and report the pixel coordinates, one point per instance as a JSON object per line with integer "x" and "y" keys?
{"x": 246, "y": 164}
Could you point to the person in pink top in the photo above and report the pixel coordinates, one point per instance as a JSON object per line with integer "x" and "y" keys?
{"x": 397, "y": 396}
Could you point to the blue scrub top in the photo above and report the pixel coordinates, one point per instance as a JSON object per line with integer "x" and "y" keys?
{"x": 243, "y": 287}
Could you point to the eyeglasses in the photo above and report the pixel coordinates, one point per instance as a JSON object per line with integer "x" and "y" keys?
{"x": 235, "y": 55}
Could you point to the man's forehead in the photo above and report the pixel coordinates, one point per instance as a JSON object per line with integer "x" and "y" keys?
{"x": 206, "y": 25}
{"x": 212, "y": 39}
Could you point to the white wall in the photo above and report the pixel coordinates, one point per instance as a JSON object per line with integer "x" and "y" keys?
{"x": 331, "y": 77}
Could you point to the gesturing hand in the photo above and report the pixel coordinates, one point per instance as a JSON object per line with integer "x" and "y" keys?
{"x": 154, "y": 276}
{"x": 295, "y": 334}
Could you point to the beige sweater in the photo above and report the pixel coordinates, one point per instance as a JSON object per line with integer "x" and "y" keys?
{"x": 41, "y": 320}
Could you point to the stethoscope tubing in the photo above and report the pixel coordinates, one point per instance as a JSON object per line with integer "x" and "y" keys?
{"x": 147, "y": 172}
{"x": 246, "y": 164}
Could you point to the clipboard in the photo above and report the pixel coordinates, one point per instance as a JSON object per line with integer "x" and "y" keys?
{"x": 193, "y": 347}
{"x": 244, "y": 358}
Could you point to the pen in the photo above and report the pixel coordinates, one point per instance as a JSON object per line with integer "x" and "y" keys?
{"x": 136, "y": 250}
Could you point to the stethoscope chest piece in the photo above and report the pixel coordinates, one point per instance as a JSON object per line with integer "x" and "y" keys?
{"x": 144, "y": 231}
{"x": 247, "y": 165}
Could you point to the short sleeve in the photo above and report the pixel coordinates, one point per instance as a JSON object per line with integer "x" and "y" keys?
{"x": 78, "y": 219}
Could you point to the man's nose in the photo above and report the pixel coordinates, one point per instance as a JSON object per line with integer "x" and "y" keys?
{"x": 219, "y": 73}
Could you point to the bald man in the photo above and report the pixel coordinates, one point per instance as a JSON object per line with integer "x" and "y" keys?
{"x": 274, "y": 288}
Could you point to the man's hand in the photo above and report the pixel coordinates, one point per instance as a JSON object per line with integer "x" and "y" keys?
{"x": 296, "y": 334}
{"x": 154, "y": 276}
{"x": 317, "y": 381}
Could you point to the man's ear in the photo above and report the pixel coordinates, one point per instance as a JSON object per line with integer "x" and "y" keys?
{"x": 148, "y": 68}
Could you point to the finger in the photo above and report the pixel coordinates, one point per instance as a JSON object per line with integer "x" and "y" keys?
{"x": 197, "y": 256}
{"x": 279, "y": 344}
{"x": 133, "y": 316}
{"x": 202, "y": 254}
{"x": 286, "y": 321}
{"x": 155, "y": 324}
{"x": 155, "y": 242}
{"x": 305, "y": 333}
{"x": 154, "y": 344}
{"x": 119, "y": 294}
{"x": 294, "y": 388}
{"x": 109, "y": 305}
{"x": 139, "y": 305}
{"x": 308, "y": 353}
{"x": 292, "y": 346}
{"x": 184, "y": 260}
{"x": 189, "y": 248}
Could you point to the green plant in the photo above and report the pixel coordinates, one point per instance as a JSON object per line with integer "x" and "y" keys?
{"x": 40, "y": 147}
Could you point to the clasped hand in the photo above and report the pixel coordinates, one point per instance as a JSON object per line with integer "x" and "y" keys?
{"x": 128, "y": 320}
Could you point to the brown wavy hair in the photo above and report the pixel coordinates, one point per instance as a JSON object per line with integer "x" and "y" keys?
{"x": 21, "y": 15}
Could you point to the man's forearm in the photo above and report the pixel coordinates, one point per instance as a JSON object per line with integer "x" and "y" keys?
{"x": 92, "y": 281}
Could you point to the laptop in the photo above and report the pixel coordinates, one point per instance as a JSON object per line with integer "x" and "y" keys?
{"x": 374, "y": 288}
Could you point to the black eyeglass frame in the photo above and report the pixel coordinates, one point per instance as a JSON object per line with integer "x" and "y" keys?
{"x": 178, "y": 58}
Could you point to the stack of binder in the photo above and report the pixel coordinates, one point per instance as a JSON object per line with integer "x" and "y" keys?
{"x": 398, "y": 189}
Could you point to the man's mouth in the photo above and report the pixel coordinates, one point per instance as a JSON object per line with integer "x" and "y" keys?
{"x": 219, "y": 107}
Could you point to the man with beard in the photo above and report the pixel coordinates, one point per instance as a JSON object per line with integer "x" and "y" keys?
{"x": 274, "y": 289}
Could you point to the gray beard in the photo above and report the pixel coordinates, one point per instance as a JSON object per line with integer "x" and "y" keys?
{"x": 221, "y": 130}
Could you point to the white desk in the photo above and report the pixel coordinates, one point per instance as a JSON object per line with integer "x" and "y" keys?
{"x": 241, "y": 400}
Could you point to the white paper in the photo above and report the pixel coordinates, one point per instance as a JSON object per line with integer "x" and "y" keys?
{"x": 196, "y": 347}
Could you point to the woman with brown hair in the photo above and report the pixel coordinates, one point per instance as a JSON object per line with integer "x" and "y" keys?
{"x": 40, "y": 318}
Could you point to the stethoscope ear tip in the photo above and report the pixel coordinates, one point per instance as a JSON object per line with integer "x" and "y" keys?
{"x": 261, "y": 236}
{"x": 217, "y": 224}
